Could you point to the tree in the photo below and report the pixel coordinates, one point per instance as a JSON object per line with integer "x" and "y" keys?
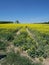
{"x": 17, "y": 21}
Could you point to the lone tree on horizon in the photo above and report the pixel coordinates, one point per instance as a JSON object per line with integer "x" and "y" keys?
{"x": 17, "y": 21}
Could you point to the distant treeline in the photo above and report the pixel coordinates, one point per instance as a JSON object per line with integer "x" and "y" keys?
{"x": 4, "y": 22}
{"x": 42, "y": 23}
{"x": 46, "y": 22}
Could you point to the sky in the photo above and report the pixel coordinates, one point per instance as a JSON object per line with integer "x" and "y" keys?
{"x": 26, "y": 11}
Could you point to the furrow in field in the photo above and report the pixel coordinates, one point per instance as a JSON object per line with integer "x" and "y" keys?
{"x": 31, "y": 35}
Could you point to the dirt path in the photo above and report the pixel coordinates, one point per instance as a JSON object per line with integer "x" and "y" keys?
{"x": 31, "y": 35}
{"x": 46, "y": 61}
{"x": 18, "y": 32}
{"x": 25, "y": 54}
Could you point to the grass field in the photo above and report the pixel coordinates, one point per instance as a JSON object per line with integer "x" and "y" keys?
{"x": 24, "y": 44}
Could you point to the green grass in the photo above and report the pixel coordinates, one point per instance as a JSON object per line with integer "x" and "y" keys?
{"x": 15, "y": 59}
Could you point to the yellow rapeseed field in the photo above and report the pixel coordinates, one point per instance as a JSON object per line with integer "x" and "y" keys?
{"x": 39, "y": 27}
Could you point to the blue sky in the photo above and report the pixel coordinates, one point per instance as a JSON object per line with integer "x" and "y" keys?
{"x": 26, "y": 11}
